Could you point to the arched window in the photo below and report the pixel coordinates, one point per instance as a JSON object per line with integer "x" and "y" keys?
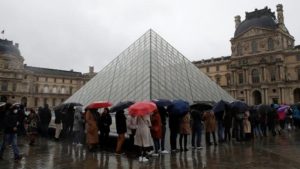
{"x": 254, "y": 46}
{"x": 270, "y": 44}
{"x": 4, "y": 86}
{"x": 273, "y": 74}
{"x": 46, "y": 89}
{"x": 255, "y": 76}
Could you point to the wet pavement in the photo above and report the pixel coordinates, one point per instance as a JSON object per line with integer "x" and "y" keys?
{"x": 281, "y": 152}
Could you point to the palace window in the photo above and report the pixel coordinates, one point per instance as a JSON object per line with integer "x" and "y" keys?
{"x": 63, "y": 90}
{"x": 207, "y": 69}
{"x": 239, "y": 49}
{"x": 270, "y": 44}
{"x": 254, "y": 46}
{"x": 4, "y": 86}
{"x": 273, "y": 74}
{"x": 46, "y": 89}
{"x": 54, "y": 89}
{"x": 255, "y": 76}
{"x": 217, "y": 68}
{"x": 241, "y": 78}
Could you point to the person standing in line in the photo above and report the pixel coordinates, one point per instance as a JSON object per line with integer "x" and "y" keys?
{"x": 45, "y": 118}
{"x": 174, "y": 122}
{"x": 163, "y": 115}
{"x": 121, "y": 130}
{"x": 32, "y": 122}
{"x": 143, "y": 137}
{"x": 92, "y": 139}
{"x": 78, "y": 126}
{"x": 247, "y": 126}
{"x": 104, "y": 127}
{"x": 185, "y": 130}
{"x": 227, "y": 125}
{"x": 10, "y": 133}
{"x": 131, "y": 126}
{"x": 58, "y": 124}
{"x": 156, "y": 131}
{"x": 210, "y": 127}
{"x": 196, "y": 123}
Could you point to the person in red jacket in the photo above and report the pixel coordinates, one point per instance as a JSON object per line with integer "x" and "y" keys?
{"x": 156, "y": 131}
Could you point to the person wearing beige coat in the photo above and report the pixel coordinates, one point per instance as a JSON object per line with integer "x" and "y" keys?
{"x": 185, "y": 130}
{"x": 210, "y": 126}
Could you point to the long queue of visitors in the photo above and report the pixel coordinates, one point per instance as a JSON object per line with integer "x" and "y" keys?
{"x": 92, "y": 126}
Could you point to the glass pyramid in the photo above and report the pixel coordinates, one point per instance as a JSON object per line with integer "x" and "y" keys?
{"x": 148, "y": 69}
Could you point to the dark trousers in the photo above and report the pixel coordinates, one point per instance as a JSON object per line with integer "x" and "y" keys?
{"x": 104, "y": 137}
{"x": 238, "y": 130}
{"x": 173, "y": 139}
{"x": 227, "y": 134}
{"x": 196, "y": 136}
{"x": 207, "y": 134}
{"x": 184, "y": 138}
{"x": 162, "y": 140}
{"x": 156, "y": 145}
{"x": 263, "y": 128}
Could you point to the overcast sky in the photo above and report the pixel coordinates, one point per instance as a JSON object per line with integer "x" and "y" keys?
{"x": 75, "y": 34}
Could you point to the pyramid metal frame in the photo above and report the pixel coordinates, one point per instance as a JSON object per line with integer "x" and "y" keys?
{"x": 150, "y": 68}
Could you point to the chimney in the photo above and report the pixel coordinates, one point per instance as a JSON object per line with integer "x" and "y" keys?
{"x": 17, "y": 45}
{"x": 91, "y": 68}
{"x": 280, "y": 17}
{"x": 237, "y": 20}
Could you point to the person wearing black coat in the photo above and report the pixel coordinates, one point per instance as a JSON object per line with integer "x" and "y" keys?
{"x": 11, "y": 123}
{"x": 174, "y": 124}
{"x": 58, "y": 124}
{"x": 227, "y": 125}
{"x": 163, "y": 116}
{"x": 104, "y": 127}
{"x": 121, "y": 130}
{"x": 45, "y": 118}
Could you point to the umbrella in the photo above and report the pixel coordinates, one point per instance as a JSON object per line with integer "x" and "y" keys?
{"x": 239, "y": 106}
{"x": 275, "y": 106}
{"x": 99, "y": 104}
{"x": 264, "y": 109}
{"x": 220, "y": 106}
{"x": 121, "y": 106}
{"x": 66, "y": 106}
{"x": 282, "y": 108}
{"x": 296, "y": 105}
{"x": 201, "y": 106}
{"x": 179, "y": 107}
{"x": 2, "y": 104}
{"x": 142, "y": 108}
{"x": 162, "y": 102}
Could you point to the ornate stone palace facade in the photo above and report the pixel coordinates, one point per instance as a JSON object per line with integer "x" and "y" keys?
{"x": 264, "y": 66}
{"x": 35, "y": 86}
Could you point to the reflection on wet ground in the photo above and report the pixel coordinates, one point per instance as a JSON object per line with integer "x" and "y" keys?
{"x": 282, "y": 152}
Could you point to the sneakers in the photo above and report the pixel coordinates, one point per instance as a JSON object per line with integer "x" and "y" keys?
{"x": 155, "y": 155}
{"x": 79, "y": 145}
{"x": 164, "y": 152}
{"x": 199, "y": 148}
{"x": 143, "y": 159}
{"x": 150, "y": 152}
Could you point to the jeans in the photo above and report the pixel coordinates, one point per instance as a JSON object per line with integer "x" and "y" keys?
{"x": 196, "y": 135}
{"x": 156, "y": 145}
{"x": 162, "y": 141}
{"x": 10, "y": 139}
{"x": 220, "y": 130}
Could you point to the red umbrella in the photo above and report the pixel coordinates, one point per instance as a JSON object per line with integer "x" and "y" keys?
{"x": 142, "y": 108}
{"x": 99, "y": 104}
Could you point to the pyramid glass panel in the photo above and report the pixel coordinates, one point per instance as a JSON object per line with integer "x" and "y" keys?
{"x": 148, "y": 69}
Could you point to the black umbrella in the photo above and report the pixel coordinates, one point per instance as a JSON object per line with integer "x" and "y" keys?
{"x": 66, "y": 106}
{"x": 239, "y": 106}
{"x": 201, "y": 106}
{"x": 121, "y": 106}
{"x": 162, "y": 102}
{"x": 264, "y": 109}
{"x": 221, "y": 106}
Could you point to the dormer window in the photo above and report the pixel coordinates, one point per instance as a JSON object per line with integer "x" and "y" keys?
{"x": 254, "y": 46}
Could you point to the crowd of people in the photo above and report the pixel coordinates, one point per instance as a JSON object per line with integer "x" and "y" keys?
{"x": 148, "y": 132}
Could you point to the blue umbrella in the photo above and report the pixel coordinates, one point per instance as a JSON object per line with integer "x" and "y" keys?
{"x": 220, "y": 106}
{"x": 162, "y": 102}
{"x": 179, "y": 107}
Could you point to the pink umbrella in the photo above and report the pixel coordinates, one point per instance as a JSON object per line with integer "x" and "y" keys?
{"x": 281, "y": 112}
{"x": 142, "y": 108}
